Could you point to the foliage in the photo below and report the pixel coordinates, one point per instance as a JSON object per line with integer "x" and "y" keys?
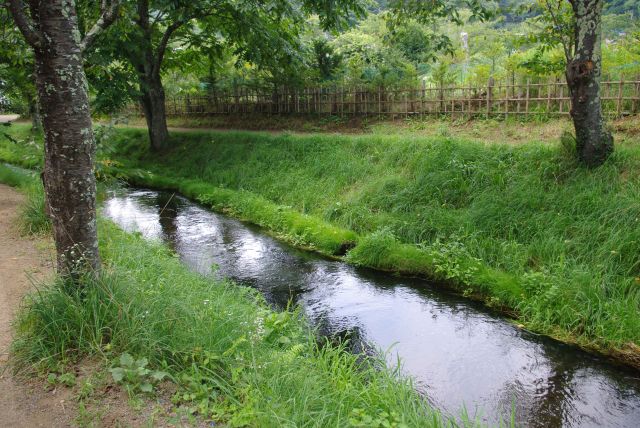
{"x": 134, "y": 374}
{"x": 161, "y": 36}
{"x": 16, "y": 68}
{"x": 397, "y": 44}
{"x": 554, "y": 25}
{"x": 234, "y": 360}
{"x": 437, "y": 196}
{"x": 33, "y": 219}
{"x": 65, "y": 379}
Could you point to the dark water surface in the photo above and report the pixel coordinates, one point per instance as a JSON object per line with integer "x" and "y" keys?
{"x": 458, "y": 352}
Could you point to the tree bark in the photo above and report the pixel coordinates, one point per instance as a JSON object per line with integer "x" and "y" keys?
{"x": 147, "y": 61}
{"x": 153, "y": 104}
{"x": 51, "y": 29}
{"x": 594, "y": 142}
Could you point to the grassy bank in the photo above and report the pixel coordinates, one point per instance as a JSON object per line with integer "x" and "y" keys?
{"x": 525, "y": 228}
{"x": 232, "y": 359}
{"x": 33, "y": 220}
{"x": 509, "y": 130}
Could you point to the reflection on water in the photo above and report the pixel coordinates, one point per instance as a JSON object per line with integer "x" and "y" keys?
{"x": 458, "y": 353}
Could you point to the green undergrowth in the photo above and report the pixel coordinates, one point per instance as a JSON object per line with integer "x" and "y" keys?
{"x": 297, "y": 228}
{"x": 525, "y": 228}
{"x": 32, "y": 217}
{"x": 232, "y": 358}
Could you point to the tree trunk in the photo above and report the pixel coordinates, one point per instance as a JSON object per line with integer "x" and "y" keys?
{"x": 153, "y": 105}
{"x": 594, "y": 142}
{"x": 68, "y": 175}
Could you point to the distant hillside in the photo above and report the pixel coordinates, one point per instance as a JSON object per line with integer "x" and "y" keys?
{"x": 515, "y": 11}
{"x": 623, "y": 6}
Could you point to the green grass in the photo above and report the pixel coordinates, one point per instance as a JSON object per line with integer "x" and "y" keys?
{"x": 525, "y": 228}
{"x": 33, "y": 219}
{"x": 24, "y": 149}
{"x": 233, "y": 359}
{"x": 15, "y": 176}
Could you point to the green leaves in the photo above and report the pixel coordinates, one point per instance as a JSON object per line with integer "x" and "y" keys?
{"x": 127, "y": 360}
{"x": 65, "y": 379}
{"x": 135, "y": 376}
{"x": 118, "y": 374}
{"x": 16, "y": 67}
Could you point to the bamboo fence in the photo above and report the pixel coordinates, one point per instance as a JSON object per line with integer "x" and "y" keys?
{"x": 551, "y": 98}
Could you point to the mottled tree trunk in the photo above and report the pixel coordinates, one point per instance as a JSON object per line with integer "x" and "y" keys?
{"x": 594, "y": 142}
{"x": 51, "y": 29}
{"x": 153, "y": 105}
{"x": 69, "y": 143}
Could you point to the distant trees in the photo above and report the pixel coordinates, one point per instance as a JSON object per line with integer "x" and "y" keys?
{"x": 207, "y": 44}
{"x": 16, "y": 70}
{"x": 153, "y": 32}
{"x": 51, "y": 30}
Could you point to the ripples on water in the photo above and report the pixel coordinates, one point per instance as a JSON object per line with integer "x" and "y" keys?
{"x": 458, "y": 352}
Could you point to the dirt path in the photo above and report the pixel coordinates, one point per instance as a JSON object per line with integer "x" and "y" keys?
{"x": 22, "y": 403}
{"x": 8, "y": 117}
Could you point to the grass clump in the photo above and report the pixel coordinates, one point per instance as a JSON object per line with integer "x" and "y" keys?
{"x": 15, "y": 177}
{"x": 33, "y": 219}
{"x": 288, "y": 224}
{"x": 234, "y": 359}
{"x": 33, "y": 216}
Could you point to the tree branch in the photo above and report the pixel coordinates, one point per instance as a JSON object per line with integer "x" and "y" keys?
{"x": 143, "y": 14}
{"x": 566, "y": 46}
{"x": 24, "y": 23}
{"x": 108, "y": 14}
{"x": 162, "y": 46}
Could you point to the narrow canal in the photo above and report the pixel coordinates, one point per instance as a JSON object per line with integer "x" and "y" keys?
{"x": 458, "y": 352}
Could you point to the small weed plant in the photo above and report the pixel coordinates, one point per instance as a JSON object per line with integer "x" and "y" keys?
{"x": 134, "y": 374}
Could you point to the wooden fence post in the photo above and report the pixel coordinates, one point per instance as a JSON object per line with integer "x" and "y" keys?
{"x": 636, "y": 95}
{"x": 438, "y": 99}
{"x": 526, "y": 103}
{"x": 489, "y": 95}
{"x": 548, "y": 98}
{"x": 619, "y": 103}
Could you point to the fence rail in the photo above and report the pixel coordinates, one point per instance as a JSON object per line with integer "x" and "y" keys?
{"x": 618, "y": 97}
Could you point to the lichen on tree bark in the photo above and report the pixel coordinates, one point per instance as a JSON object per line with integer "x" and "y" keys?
{"x": 51, "y": 29}
{"x": 594, "y": 142}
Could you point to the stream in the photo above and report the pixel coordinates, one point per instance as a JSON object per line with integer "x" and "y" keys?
{"x": 458, "y": 352}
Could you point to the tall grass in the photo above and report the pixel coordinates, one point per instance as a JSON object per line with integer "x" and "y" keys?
{"x": 14, "y": 176}
{"x": 526, "y": 227}
{"x": 234, "y": 359}
{"x": 33, "y": 219}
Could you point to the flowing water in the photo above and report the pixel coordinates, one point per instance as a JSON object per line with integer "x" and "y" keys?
{"x": 458, "y": 352}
